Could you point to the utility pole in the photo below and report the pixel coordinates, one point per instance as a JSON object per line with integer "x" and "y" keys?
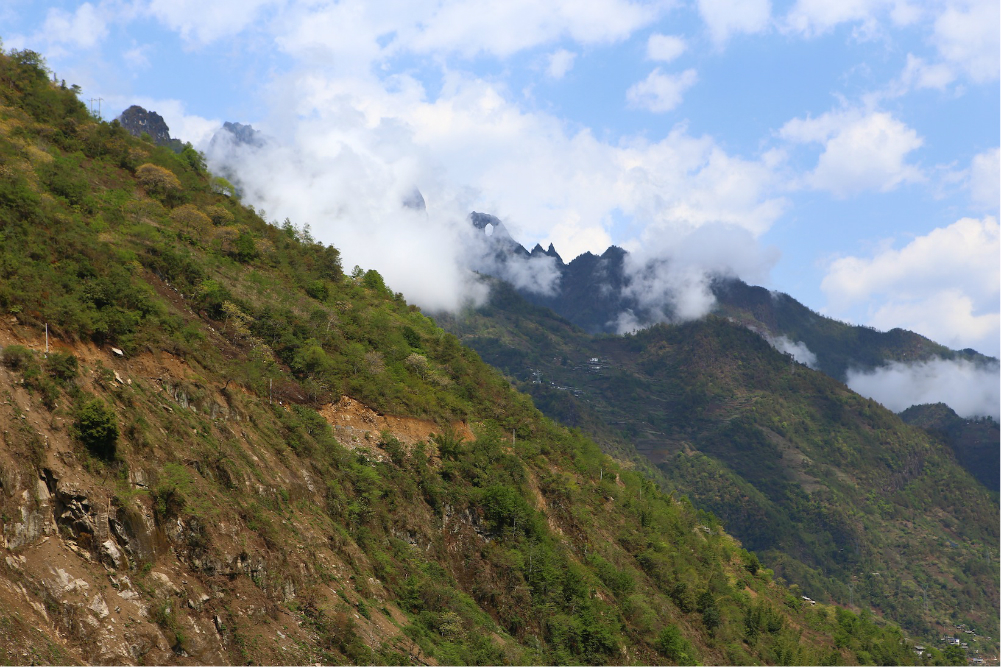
{"x": 98, "y": 100}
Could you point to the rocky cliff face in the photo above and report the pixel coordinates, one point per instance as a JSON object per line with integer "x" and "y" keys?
{"x": 137, "y": 120}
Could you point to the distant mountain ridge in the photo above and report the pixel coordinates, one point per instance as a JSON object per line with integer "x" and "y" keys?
{"x": 593, "y": 292}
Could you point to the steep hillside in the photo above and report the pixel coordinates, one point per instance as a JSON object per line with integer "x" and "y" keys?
{"x": 973, "y": 441}
{"x": 831, "y": 489}
{"x": 218, "y": 448}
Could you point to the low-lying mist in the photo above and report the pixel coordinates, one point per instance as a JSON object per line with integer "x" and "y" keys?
{"x": 971, "y": 389}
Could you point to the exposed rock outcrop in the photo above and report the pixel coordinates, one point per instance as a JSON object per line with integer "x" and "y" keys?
{"x": 137, "y": 120}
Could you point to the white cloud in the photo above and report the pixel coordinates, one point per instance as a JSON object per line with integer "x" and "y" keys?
{"x": 137, "y": 57}
{"x": 203, "y": 22}
{"x": 812, "y": 17}
{"x": 669, "y": 274}
{"x": 664, "y": 48}
{"x": 970, "y": 389}
{"x": 964, "y": 32}
{"x": 946, "y": 316}
{"x": 84, "y": 28}
{"x": 560, "y": 62}
{"x": 816, "y": 17}
{"x": 944, "y": 285}
{"x": 795, "y": 349}
{"x": 63, "y": 31}
{"x": 920, "y": 74}
{"x": 985, "y": 180}
{"x": 725, "y": 18}
{"x": 862, "y": 151}
{"x": 661, "y": 92}
{"x": 347, "y": 35}
{"x": 967, "y": 36}
{"x": 471, "y": 148}
{"x": 503, "y": 27}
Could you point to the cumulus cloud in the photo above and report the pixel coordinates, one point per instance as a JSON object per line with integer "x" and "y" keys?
{"x": 560, "y": 62}
{"x": 661, "y": 92}
{"x": 862, "y": 151}
{"x": 82, "y": 29}
{"x": 201, "y": 22}
{"x": 920, "y": 74}
{"x": 668, "y": 277}
{"x": 352, "y": 194}
{"x": 725, "y": 18}
{"x": 471, "y": 148}
{"x": 972, "y": 390}
{"x": 964, "y": 32}
{"x": 812, "y": 17}
{"x": 664, "y": 48}
{"x": 944, "y": 285}
{"x": 967, "y": 36}
{"x": 353, "y": 33}
{"x": 985, "y": 180}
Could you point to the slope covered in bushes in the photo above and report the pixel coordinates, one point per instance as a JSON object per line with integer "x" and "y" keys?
{"x": 183, "y": 481}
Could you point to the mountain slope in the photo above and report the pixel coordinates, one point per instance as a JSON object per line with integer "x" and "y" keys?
{"x": 973, "y": 441}
{"x": 218, "y": 448}
{"x": 834, "y": 491}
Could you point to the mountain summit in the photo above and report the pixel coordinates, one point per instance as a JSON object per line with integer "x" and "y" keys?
{"x": 138, "y": 121}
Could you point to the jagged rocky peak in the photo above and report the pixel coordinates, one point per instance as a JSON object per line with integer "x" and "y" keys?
{"x": 497, "y": 232}
{"x": 137, "y": 120}
{"x": 481, "y": 220}
{"x": 555, "y": 255}
{"x": 241, "y": 134}
{"x": 415, "y": 201}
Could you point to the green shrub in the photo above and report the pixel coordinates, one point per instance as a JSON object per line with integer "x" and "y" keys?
{"x": 97, "y": 428}
{"x": 318, "y": 289}
{"x": 62, "y": 365}
{"x": 674, "y": 647}
{"x": 17, "y": 357}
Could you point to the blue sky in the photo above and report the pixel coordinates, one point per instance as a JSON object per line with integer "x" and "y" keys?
{"x": 844, "y": 151}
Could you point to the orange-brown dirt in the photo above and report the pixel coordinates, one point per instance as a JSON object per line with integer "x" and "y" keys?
{"x": 356, "y": 426}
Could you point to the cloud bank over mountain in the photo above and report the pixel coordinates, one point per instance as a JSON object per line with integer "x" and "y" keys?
{"x": 970, "y": 389}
